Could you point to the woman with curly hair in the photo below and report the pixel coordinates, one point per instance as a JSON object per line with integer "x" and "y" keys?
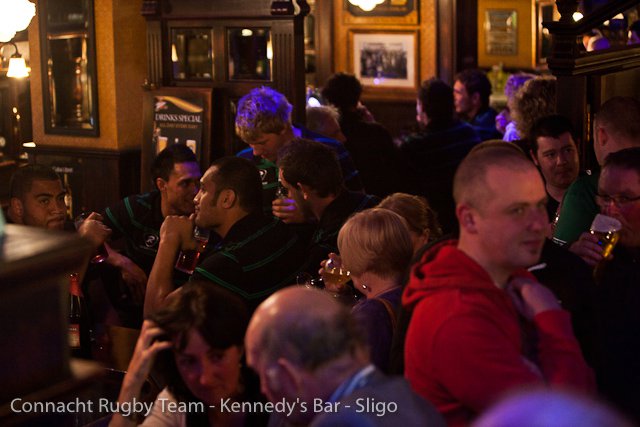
{"x": 536, "y": 99}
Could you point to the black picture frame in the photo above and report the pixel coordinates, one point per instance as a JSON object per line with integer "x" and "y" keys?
{"x": 68, "y": 67}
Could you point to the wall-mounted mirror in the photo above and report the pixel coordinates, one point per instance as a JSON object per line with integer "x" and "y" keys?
{"x": 69, "y": 87}
{"x": 192, "y": 53}
{"x": 250, "y": 53}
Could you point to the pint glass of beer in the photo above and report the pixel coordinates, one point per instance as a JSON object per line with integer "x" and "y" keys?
{"x": 188, "y": 258}
{"x": 607, "y": 229}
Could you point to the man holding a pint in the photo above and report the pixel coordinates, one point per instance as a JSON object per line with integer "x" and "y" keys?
{"x": 618, "y": 281}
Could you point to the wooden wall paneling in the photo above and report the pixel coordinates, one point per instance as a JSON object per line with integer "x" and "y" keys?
{"x": 324, "y": 40}
{"x": 447, "y": 40}
{"x": 98, "y": 178}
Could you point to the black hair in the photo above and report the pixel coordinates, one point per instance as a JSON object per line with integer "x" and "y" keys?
{"x": 342, "y": 90}
{"x": 476, "y": 81}
{"x": 311, "y": 163}
{"x": 436, "y": 98}
{"x": 628, "y": 158}
{"x": 164, "y": 162}
{"x": 551, "y": 126}
{"x": 241, "y": 176}
{"x": 22, "y": 179}
{"x": 218, "y": 315}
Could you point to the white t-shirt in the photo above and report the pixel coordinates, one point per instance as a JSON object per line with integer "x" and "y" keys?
{"x": 160, "y": 418}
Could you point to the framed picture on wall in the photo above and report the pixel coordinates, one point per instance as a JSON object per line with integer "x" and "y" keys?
{"x": 385, "y": 59}
{"x": 501, "y": 31}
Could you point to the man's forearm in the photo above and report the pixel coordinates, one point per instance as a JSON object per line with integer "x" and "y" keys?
{"x": 160, "y": 283}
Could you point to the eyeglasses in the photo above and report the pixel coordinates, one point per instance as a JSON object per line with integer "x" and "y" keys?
{"x": 604, "y": 200}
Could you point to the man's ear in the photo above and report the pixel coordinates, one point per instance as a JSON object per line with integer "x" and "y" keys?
{"x": 228, "y": 198}
{"x": 467, "y": 218}
{"x": 16, "y": 209}
{"x": 602, "y": 136}
{"x": 534, "y": 158}
{"x": 475, "y": 99}
{"x": 161, "y": 184}
{"x": 291, "y": 377}
{"x": 306, "y": 190}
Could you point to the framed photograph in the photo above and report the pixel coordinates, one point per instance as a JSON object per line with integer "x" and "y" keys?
{"x": 501, "y": 29}
{"x": 385, "y": 60}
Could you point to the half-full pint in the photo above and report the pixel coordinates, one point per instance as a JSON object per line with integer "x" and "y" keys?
{"x": 188, "y": 258}
{"x": 607, "y": 230}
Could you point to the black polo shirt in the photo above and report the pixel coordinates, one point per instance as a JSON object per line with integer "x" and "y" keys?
{"x": 269, "y": 170}
{"x": 137, "y": 220}
{"x": 258, "y": 256}
{"x": 325, "y": 237}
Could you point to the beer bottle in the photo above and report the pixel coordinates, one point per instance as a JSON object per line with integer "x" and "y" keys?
{"x": 78, "y": 327}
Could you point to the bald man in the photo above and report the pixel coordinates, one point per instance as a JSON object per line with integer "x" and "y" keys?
{"x": 475, "y": 306}
{"x": 309, "y": 352}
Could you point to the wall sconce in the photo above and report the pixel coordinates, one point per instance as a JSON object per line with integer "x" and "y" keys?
{"x": 366, "y": 5}
{"x": 16, "y": 16}
{"x": 17, "y": 65}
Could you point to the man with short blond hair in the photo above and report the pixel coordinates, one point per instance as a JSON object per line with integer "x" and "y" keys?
{"x": 263, "y": 122}
{"x": 475, "y": 306}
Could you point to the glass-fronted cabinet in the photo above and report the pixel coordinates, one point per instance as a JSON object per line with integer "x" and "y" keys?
{"x": 69, "y": 67}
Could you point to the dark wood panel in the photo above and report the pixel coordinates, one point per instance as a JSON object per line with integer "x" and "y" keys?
{"x": 98, "y": 178}
{"x": 399, "y": 117}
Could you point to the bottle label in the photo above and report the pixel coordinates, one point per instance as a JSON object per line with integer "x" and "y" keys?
{"x": 74, "y": 335}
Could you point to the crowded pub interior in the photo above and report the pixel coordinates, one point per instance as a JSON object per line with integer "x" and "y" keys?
{"x": 319, "y": 213}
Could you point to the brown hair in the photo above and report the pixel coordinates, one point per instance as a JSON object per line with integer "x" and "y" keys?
{"x": 417, "y": 213}
{"x": 536, "y": 98}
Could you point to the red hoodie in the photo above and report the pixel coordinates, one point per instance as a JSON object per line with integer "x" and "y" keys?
{"x": 464, "y": 345}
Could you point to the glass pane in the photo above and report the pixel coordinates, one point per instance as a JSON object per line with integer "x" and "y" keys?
{"x": 192, "y": 53}
{"x": 69, "y": 82}
{"x": 250, "y": 53}
{"x": 68, "y": 67}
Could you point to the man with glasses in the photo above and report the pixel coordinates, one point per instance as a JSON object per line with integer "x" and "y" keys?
{"x": 616, "y": 127}
{"x": 619, "y": 282}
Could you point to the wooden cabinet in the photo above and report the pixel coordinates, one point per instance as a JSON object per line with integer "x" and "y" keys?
{"x": 227, "y": 47}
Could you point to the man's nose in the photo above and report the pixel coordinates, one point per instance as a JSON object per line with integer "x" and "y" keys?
{"x": 257, "y": 149}
{"x": 611, "y": 209}
{"x": 58, "y": 207}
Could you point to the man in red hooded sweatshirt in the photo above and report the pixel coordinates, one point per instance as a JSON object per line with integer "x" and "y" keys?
{"x": 482, "y": 325}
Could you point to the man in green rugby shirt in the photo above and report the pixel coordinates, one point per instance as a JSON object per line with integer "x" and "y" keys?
{"x": 616, "y": 126}
{"x": 257, "y": 254}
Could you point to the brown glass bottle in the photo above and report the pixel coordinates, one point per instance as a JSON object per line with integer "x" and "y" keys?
{"x": 78, "y": 326}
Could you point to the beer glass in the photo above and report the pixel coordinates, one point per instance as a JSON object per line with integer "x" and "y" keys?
{"x": 101, "y": 253}
{"x": 188, "y": 258}
{"x": 335, "y": 274}
{"x": 607, "y": 230}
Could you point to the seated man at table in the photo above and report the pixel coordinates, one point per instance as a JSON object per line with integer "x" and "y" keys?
{"x": 310, "y": 173}
{"x": 257, "y": 254}
{"x": 37, "y": 199}
{"x": 309, "y": 351}
{"x": 136, "y": 222}
{"x": 264, "y": 122}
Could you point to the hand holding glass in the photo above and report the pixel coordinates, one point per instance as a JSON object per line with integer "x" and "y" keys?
{"x": 607, "y": 230}
{"x": 188, "y": 258}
